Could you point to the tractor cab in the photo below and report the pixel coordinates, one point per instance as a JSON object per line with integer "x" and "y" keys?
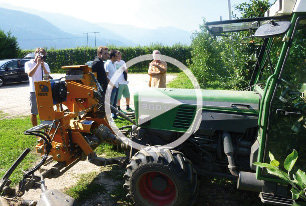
{"x": 280, "y": 80}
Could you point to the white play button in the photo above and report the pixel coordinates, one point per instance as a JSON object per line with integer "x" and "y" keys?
{"x": 155, "y": 104}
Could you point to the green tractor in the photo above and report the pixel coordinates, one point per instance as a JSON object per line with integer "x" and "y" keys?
{"x": 235, "y": 128}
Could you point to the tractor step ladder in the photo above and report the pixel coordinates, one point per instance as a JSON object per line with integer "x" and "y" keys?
{"x": 268, "y": 198}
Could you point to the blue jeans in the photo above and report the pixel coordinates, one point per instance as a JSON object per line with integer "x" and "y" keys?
{"x": 114, "y": 95}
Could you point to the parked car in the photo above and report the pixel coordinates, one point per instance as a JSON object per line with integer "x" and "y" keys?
{"x": 29, "y": 56}
{"x": 12, "y": 70}
{"x": 89, "y": 63}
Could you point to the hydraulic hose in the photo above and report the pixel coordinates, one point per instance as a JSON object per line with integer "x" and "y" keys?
{"x": 48, "y": 147}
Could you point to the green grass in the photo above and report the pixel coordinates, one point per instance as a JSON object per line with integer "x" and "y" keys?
{"x": 13, "y": 142}
{"x": 118, "y": 193}
{"x": 145, "y": 71}
{"x": 89, "y": 186}
{"x": 3, "y": 115}
{"x": 86, "y": 187}
{"x": 120, "y": 122}
{"x": 181, "y": 81}
{"x": 109, "y": 150}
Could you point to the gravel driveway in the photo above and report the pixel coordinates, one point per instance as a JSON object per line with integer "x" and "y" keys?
{"x": 14, "y": 98}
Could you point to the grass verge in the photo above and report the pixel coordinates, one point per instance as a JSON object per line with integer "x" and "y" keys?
{"x": 86, "y": 187}
{"x": 13, "y": 142}
{"x": 109, "y": 150}
{"x": 181, "y": 81}
{"x": 3, "y": 115}
{"x": 101, "y": 188}
{"x": 118, "y": 193}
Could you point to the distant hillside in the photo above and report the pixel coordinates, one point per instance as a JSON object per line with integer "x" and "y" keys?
{"x": 33, "y": 31}
{"x": 142, "y": 36}
{"x": 129, "y": 35}
{"x": 78, "y": 26}
{"x": 41, "y": 29}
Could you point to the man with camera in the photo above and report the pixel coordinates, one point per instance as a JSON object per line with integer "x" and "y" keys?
{"x": 36, "y": 69}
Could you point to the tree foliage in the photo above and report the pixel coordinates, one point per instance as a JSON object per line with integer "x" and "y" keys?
{"x": 8, "y": 46}
{"x": 226, "y": 62}
{"x": 255, "y": 8}
{"x": 296, "y": 179}
{"x": 77, "y": 56}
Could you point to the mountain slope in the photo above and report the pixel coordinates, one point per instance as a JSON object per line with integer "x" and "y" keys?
{"x": 127, "y": 34}
{"x": 143, "y": 36}
{"x": 33, "y": 31}
{"x": 42, "y": 29}
{"x": 79, "y": 26}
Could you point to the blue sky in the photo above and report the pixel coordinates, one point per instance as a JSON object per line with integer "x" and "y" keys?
{"x": 183, "y": 14}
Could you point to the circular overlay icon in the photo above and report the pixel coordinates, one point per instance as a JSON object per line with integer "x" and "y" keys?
{"x": 167, "y": 104}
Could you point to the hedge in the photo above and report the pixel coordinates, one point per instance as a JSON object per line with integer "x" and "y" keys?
{"x": 56, "y": 58}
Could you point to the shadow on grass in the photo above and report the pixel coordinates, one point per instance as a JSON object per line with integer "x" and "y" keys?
{"x": 223, "y": 192}
{"x": 104, "y": 188}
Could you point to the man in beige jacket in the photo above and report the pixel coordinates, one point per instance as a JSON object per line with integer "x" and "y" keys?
{"x": 157, "y": 71}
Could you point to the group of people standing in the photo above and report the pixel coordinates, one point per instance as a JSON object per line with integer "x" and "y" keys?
{"x": 105, "y": 64}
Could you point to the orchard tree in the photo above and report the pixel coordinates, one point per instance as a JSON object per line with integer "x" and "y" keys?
{"x": 226, "y": 62}
{"x": 8, "y": 46}
{"x": 252, "y": 9}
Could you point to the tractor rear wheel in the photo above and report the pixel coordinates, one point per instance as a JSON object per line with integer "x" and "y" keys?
{"x": 161, "y": 177}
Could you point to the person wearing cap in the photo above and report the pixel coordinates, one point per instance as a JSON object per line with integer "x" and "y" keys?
{"x": 157, "y": 71}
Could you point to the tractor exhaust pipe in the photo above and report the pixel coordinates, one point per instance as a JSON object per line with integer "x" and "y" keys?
{"x": 247, "y": 181}
{"x": 229, "y": 152}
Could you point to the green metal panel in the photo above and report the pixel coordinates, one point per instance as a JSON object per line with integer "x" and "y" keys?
{"x": 179, "y": 118}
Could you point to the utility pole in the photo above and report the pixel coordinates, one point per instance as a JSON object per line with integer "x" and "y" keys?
{"x": 87, "y": 37}
{"x": 229, "y": 10}
{"x": 95, "y": 32}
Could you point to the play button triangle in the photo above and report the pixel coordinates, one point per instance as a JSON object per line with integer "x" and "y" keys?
{"x": 155, "y": 104}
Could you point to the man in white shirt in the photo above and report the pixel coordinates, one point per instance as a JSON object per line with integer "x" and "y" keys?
{"x": 123, "y": 88}
{"x": 36, "y": 69}
{"x": 110, "y": 70}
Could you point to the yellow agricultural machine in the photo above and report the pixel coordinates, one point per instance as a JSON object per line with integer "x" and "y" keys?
{"x": 73, "y": 124}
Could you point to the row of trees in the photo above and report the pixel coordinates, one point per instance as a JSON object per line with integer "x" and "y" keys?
{"x": 226, "y": 62}
{"x": 61, "y": 57}
{"x": 8, "y": 46}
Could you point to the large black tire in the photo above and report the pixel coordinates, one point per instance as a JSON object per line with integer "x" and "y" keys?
{"x": 160, "y": 177}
